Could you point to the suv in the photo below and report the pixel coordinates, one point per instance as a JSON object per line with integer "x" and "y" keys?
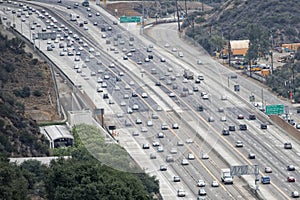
{"x": 231, "y": 128}
{"x": 252, "y": 117}
{"x": 288, "y": 145}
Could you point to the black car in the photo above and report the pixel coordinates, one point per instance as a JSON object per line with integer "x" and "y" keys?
{"x": 200, "y": 108}
{"x": 231, "y": 128}
{"x": 252, "y": 117}
{"x": 105, "y": 96}
{"x": 243, "y": 127}
{"x": 158, "y": 84}
{"x": 263, "y": 126}
{"x": 225, "y": 132}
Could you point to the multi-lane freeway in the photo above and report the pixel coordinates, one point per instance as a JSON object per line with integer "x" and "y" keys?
{"x": 139, "y": 82}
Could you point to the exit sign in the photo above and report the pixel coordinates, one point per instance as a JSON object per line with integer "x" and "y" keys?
{"x": 275, "y": 109}
{"x": 129, "y": 19}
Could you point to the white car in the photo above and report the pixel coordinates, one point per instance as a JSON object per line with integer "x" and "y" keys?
{"x": 181, "y": 193}
{"x": 191, "y": 156}
{"x": 144, "y": 95}
{"x": 184, "y": 162}
{"x": 214, "y": 183}
{"x": 149, "y": 123}
{"x": 201, "y": 183}
{"x": 205, "y": 156}
{"x": 155, "y": 143}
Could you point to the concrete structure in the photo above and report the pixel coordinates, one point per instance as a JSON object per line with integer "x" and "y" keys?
{"x": 58, "y": 135}
{"x": 290, "y": 47}
{"x": 238, "y": 47}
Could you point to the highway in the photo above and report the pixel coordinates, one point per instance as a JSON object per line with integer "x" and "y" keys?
{"x": 138, "y": 76}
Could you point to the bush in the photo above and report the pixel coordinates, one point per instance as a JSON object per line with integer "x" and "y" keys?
{"x": 37, "y": 93}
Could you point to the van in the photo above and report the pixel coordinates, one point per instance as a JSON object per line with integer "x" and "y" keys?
{"x": 265, "y": 180}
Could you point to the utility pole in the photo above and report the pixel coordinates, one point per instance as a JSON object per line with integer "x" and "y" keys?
{"x": 176, "y": 3}
{"x": 229, "y": 49}
{"x": 143, "y": 13}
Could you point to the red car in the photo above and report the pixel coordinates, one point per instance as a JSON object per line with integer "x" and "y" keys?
{"x": 291, "y": 179}
{"x": 240, "y": 117}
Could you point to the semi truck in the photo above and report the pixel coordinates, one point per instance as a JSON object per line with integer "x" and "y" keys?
{"x": 226, "y": 176}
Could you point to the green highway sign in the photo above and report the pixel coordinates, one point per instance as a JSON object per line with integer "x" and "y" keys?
{"x": 275, "y": 109}
{"x": 128, "y": 19}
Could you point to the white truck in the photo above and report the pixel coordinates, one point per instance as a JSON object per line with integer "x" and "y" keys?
{"x": 226, "y": 176}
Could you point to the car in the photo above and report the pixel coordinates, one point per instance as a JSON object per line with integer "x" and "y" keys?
{"x": 223, "y": 119}
{"x": 202, "y": 192}
{"x": 205, "y": 156}
{"x": 181, "y": 193}
{"x": 155, "y": 143}
{"x": 295, "y": 194}
{"x": 89, "y": 15}
{"x": 157, "y": 83}
{"x": 205, "y": 97}
{"x": 291, "y": 179}
{"x": 298, "y": 126}
{"x": 200, "y": 108}
{"x": 243, "y": 127}
{"x": 214, "y": 183}
{"x": 223, "y": 97}
{"x": 176, "y": 179}
{"x": 175, "y": 126}
{"x": 164, "y": 126}
{"x": 149, "y": 123}
{"x": 184, "y": 162}
{"x": 146, "y": 146}
{"x": 144, "y": 129}
{"x": 211, "y": 119}
{"x": 263, "y": 126}
{"x": 147, "y": 59}
{"x": 191, "y": 156}
{"x": 138, "y": 121}
{"x": 288, "y": 145}
{"x": 225, "y": 132}
{"x": 251, "y": 156}
{"x": 152, "y": 156}
{"x": 144, "y": 95}
{"x": 162, "y": 59}
{"x": 97, "y": 14}
{"x": 163, "y": 168}
{"x": 240, "y": 116}
{"x": 252, "y": 117}
{"x": 135, "y": 107}
{"x": 268, "y": 170}
{"x": 171, "y": 94}
{"x": 201, "y": 183}
{"x": 95, "y": 23}
{"x": 160, "y": 135}
{"x": 188, "y": 141}
{"x": 239, "y": 144}
{"x": 173, "y": 150}
{"x": 291, "y": 168}
{"x": 169, "y": 158}
{"x": 231, "y": 127}
{"x": 180, "y": 143}
{"x": 160, "y": 149}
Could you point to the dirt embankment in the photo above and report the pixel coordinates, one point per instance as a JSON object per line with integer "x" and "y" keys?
{"x": 30, "y": 71}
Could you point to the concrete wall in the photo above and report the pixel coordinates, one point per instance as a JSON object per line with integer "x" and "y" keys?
{"x": 291, "y": 130}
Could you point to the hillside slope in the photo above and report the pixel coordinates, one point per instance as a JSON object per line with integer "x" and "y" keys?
{"x": 280, "y": 19}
